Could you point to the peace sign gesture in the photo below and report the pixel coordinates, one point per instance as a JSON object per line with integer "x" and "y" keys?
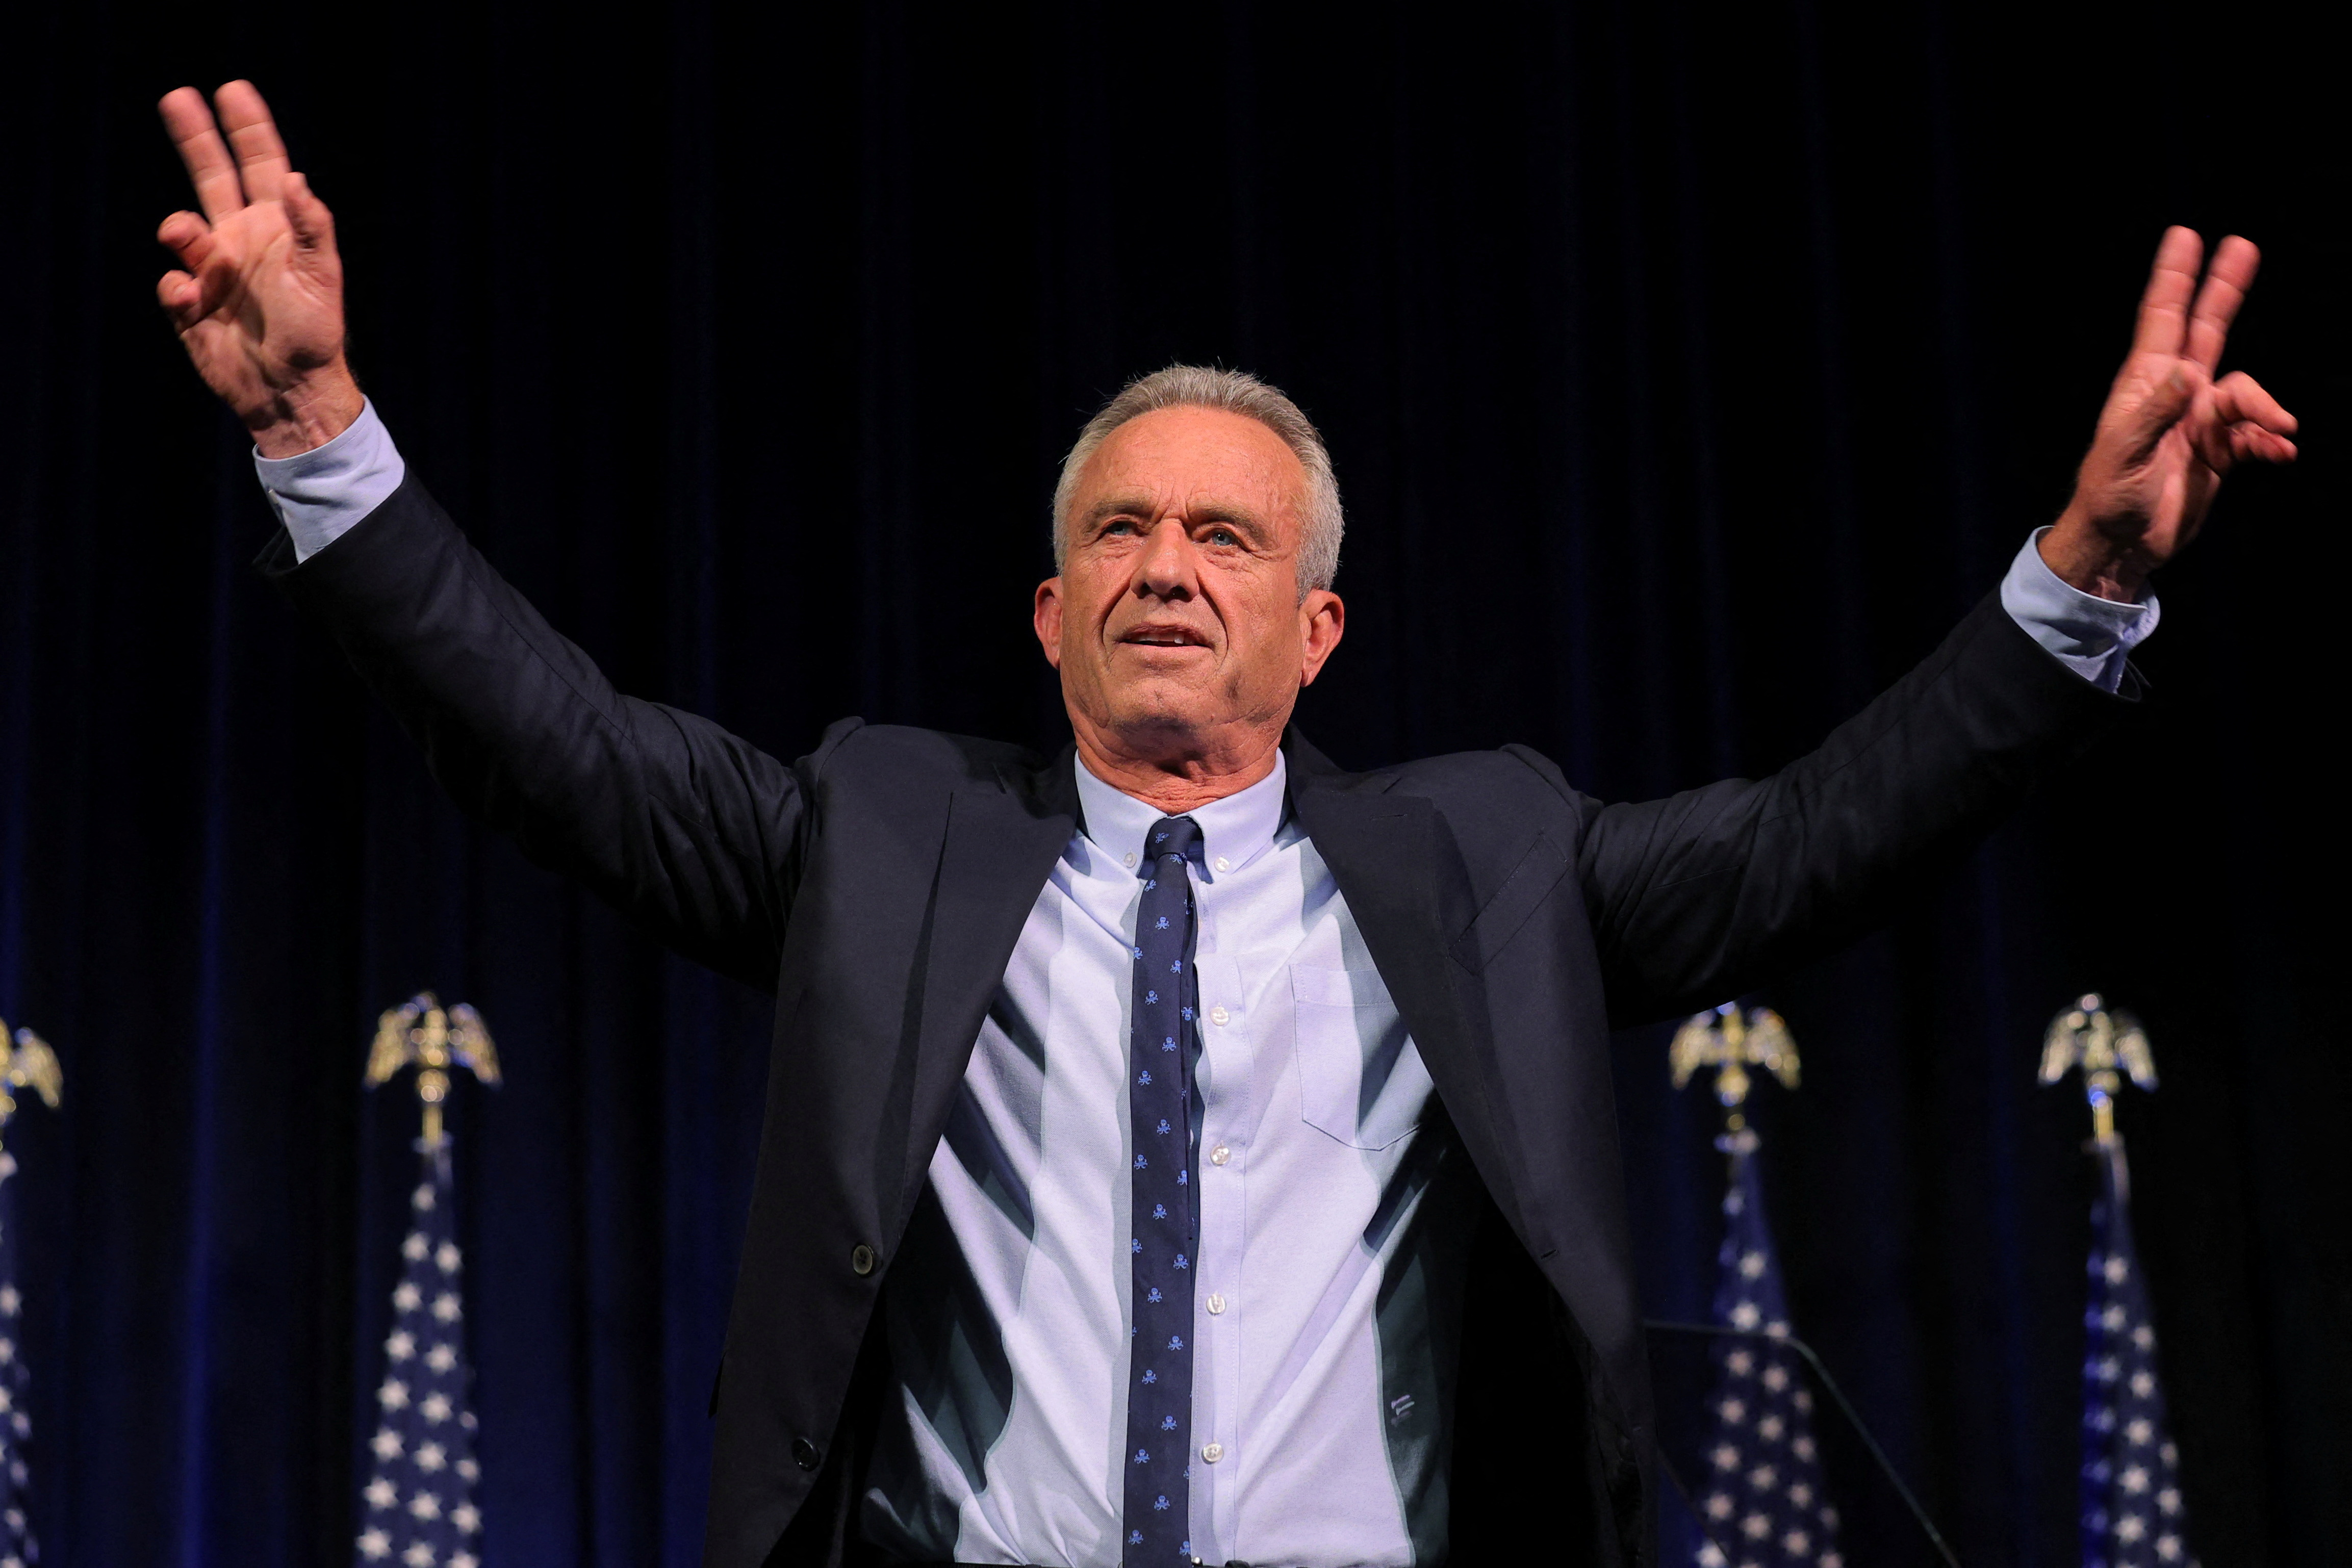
{"x": 2169, "y": 431}
{"x": 258, "y": 295}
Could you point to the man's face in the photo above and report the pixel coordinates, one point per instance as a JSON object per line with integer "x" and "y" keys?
{"x": 1177, "y": 622}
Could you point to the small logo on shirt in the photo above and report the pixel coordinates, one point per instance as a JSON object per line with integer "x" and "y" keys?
{"x": 1400, "y": 1407}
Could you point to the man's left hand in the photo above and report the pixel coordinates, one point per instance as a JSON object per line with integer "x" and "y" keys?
{"x": 2169, "y": 431}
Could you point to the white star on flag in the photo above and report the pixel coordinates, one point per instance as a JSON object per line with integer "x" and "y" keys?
{"x": 424, "y": 1449}
{"x": 17, "y": 1545}
{"x": 2123, "y": 1405}
{"x": 1761, "y": 1506}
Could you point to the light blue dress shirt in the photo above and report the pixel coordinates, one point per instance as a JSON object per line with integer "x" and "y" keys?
{"x": 1320, "y": 1401}
{"x": 1334, "y": 1198}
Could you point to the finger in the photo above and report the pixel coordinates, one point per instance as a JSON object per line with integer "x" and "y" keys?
{"x": 2253, "y": 444}
{"x": 2171, "y": 282}
{"x": 175, "y": 291}
{"x": 261, "y": 160}
{"x": 2223, "y": 447}
{"x": 190, "y": 122}
{"x": 2235, "y": 262}
{"x": 2238, "y": 398}
{"x": 187, "y": 236}
{"x": 314, "y": 224}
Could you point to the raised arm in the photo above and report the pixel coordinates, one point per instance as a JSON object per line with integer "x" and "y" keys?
{"x": 1699, "y": 897}
{"x": 1706, "y": 895}
{"x": 693, "y": 834}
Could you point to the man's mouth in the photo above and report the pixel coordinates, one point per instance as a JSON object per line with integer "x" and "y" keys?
{"x": 1164, "y": 637}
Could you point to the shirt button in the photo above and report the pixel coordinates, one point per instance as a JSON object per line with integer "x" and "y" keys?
{"x": 1220, "y": 1154}
{"x": 1216, "y": 1304}
{"x": 1224, "y": 864}
{"x": 1219, "y": 1016}
{"x": 1212, "y": 1452}
{"x": 1130, "y": 858}
{"x": 861, "y": 1258}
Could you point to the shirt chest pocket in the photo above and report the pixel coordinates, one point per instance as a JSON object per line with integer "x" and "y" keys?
{"x": 1361, "y": 1080}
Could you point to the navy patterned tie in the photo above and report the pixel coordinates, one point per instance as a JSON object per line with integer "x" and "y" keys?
{"x": 1159, "y": 1371}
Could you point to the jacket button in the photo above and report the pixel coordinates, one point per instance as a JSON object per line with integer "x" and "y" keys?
{"x": 861, "y": 1258}
{"x": 807, "y": 1455}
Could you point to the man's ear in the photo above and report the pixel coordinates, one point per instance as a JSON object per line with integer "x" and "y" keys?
{"x": 1322, "y": 622}
{"x": 1045, "y": 616}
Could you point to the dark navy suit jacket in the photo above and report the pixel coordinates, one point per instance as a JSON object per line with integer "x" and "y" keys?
{"x": 877, "y": 885}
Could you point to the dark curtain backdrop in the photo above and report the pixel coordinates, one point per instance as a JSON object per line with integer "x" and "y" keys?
{"x": 1689, "y": 371}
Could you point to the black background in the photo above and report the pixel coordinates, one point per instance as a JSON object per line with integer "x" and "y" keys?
{"x": 1688, "y": 371}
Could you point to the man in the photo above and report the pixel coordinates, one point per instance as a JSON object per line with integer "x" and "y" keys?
{"x": 1180, "y": 1150}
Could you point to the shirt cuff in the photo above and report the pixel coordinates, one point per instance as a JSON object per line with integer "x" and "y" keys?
{"x": 317, "y": 495}
{"x": 2091, "y": 636}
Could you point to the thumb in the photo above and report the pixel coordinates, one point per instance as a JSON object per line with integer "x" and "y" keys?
{"x": 2159, "y": 410}
{"x": 314, "y": 224}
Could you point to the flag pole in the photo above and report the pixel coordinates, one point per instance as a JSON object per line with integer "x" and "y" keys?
{"x": 2131, "y": 1510}
{"x": 2105, "y": 1045}
{"x": 418, "y": 1505}
{"x": 1764, "y": 1482}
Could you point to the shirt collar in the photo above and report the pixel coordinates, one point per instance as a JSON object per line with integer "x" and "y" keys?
{"x": 1236, "y": 829}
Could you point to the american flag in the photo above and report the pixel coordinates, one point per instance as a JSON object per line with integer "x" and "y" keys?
{"x": 18, "y": 1547}
{"x": 418, "y": 1504}
{"x": 1760, "y": 1497}
{"x": 2132, "y": 1512}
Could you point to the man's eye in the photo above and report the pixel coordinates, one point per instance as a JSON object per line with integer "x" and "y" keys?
{"x": 1118, "y": 525}
{"x": 1223, "y": 536}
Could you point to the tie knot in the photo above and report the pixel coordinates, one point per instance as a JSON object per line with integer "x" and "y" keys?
{"x": 1176, "y": 836}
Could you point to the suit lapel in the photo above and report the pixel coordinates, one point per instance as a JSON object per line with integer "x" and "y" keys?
{"x": 1002, "y": 840}
{"x": 1393, "y": 859}
{"x": 1391, "y": 854}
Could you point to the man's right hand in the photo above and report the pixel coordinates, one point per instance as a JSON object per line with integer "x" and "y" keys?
{"x": 260, "y": 305}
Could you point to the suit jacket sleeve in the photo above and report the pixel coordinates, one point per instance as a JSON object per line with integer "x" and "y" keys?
{"x": 1710, "y": 892}
{"x": 693, "y": 834}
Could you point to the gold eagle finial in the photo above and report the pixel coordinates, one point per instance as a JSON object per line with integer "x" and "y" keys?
{"x": 28, "y": 1062}
{"x": 1730, "y": 1042}
{"x": 2087, "y": 1035}
{"x": 421, "y": 1031}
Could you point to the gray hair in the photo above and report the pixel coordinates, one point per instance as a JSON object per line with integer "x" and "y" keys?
{"x": 1236, "y": 391}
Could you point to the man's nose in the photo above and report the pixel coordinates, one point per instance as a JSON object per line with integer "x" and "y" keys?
{"x": 1170, "y": 565}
